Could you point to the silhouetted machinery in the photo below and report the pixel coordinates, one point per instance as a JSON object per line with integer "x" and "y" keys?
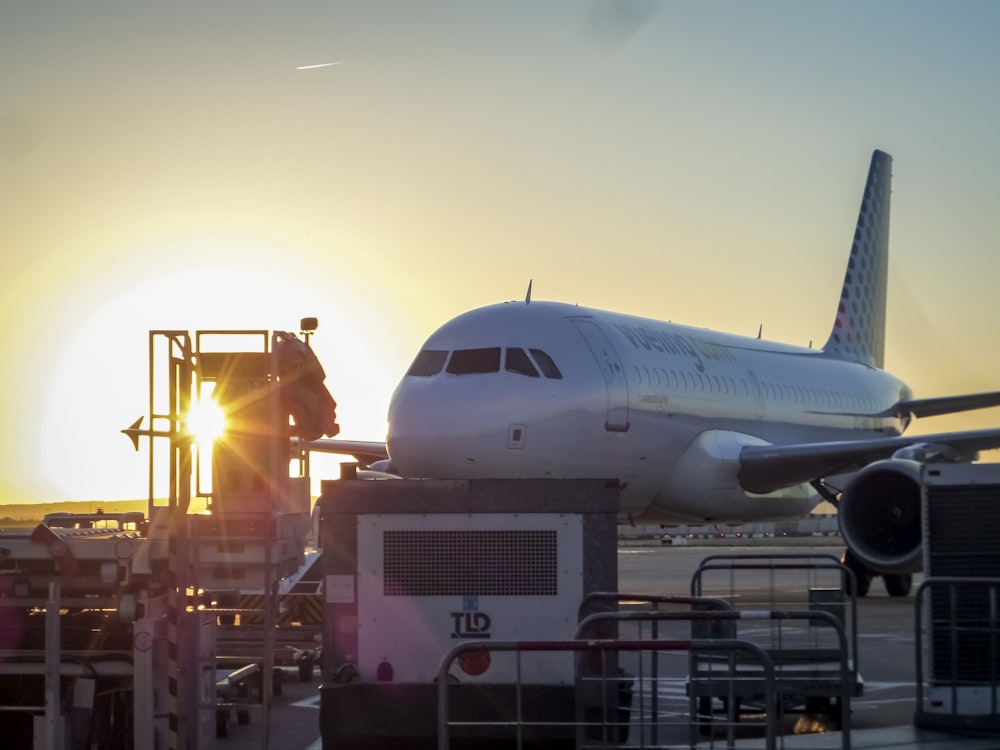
{"x": 267, "y": 397}
{"x": 109, "y": 629}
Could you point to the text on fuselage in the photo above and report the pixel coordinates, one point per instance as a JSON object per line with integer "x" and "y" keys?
{"x": 699, "y": 349}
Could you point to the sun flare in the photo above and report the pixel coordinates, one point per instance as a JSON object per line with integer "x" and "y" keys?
{"x": 206, "y": 421}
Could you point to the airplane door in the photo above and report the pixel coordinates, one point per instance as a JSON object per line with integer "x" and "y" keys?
{"x": 611, "y": 368}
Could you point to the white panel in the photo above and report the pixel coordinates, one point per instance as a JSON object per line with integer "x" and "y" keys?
{"x": 961, "y": 701}
{"x": 412, "y": 633}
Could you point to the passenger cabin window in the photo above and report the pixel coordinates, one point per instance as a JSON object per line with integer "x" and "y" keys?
{"x": 474, "y": 361}
{"x": 517, "y": 361}
{"x": 545, "y": 364}
{"x": 428, "y": 362}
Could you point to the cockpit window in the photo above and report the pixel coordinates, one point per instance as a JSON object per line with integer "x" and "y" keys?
{"x": 428, "y": 362}
{"x": 474, "y": 361}
{"x": 545, "y": 364}
{"x": 517, "y": 361}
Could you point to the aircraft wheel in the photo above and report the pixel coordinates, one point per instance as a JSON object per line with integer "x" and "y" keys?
{"x": 277, "y": 681}
{"x": 861, "y": 574}
{"x": 306, "y": 670}
{"x": 705, "y": 715}
{"x": 898, "y": 584}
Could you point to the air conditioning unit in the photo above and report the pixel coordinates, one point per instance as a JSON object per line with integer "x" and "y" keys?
{"x": 958, "y": 605}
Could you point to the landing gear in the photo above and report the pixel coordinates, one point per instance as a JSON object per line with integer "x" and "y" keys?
{"x": 898, "y": 584}
{"x": 862, "y": 575}
{"x": 306, "y": 670}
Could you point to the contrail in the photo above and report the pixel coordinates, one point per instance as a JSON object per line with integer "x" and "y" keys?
{"x": 319, "y": 65}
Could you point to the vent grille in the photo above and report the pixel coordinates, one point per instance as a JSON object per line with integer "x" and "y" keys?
{"x": 963, "y": 526}
{"x": 460, "y": 563}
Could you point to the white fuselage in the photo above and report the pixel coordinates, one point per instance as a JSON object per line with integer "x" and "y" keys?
{"x": 664, "y": 408}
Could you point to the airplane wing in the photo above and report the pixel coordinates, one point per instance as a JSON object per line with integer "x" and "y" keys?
{"x": 765, "y": 468}
{"x": 933, "y": 407}
{"x": 366, "y": 452}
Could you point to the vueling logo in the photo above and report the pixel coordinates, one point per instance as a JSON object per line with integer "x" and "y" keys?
{"x": 470, "y": 622}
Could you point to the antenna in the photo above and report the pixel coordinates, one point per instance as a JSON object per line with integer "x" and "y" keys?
{"x": 527, "y": 296}
{"x": 760, "y": 331}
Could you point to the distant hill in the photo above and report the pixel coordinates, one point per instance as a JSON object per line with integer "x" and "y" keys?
{"x": 30, "y": 514}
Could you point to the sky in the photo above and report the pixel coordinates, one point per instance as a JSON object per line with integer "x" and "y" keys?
{"x": 186, "y": 166}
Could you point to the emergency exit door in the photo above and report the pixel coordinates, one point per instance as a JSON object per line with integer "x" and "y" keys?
{"x": 611, "y": 368}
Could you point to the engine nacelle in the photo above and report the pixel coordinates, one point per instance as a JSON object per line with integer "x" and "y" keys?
{"x": 880, "y": 516}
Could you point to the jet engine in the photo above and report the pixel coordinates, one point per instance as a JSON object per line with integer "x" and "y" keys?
{"x": 880, "y": 517}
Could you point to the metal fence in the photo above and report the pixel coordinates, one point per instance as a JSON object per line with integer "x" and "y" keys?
{"x": 604, "y": 708}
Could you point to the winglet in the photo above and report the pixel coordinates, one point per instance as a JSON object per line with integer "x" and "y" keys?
{"x": 859, "y": 328}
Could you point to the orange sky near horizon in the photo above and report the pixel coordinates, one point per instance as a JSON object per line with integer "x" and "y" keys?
{"x": 181, "y": 167}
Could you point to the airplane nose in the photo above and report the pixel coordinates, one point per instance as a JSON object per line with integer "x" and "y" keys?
{"x": 433, "y": 434}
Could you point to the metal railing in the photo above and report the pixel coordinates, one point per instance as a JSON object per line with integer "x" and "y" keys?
{"x": 815, "y": 574}
{"x": 784, "y": 649}
{"x": 809, "y": 669}
{"x": 602, "y": 721}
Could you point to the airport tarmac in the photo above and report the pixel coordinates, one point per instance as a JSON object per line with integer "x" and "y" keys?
{"x": 885, "y": 646}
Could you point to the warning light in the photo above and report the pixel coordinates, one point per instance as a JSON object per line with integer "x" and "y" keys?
{"x": 474, "y": 663}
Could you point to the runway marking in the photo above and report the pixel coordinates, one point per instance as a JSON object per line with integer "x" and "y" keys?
{"x": 311, "y": 702}
{"x": 898, "y": 638}
{"x": 674, "y": 692}
{"x": 889, "y": 685}
{"x": 862, "y": 704}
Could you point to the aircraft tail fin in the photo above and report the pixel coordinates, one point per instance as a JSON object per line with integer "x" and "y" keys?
{"x": 859, "y": 328}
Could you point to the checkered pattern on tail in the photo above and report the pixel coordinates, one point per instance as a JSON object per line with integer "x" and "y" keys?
{"x": 859, "y": 329}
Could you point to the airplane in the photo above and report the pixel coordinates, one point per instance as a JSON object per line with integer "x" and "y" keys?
{"x": 697, "y": 425}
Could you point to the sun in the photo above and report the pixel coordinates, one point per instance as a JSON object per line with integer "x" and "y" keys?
{"x": 225, "y": 286}
{"x": 206, "y": 421}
